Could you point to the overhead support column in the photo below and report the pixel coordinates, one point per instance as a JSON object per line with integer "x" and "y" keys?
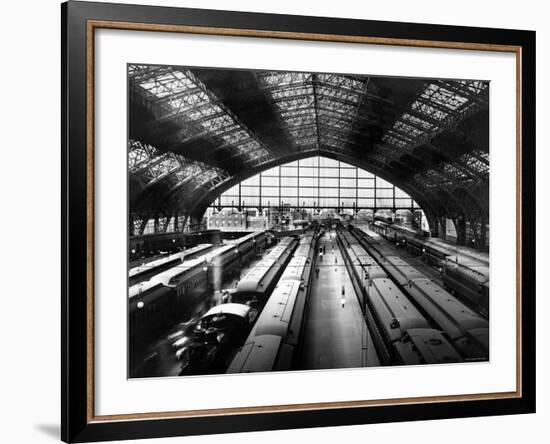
{"x": 483, "y": 237}
{"x": 433, "y": 222}
{"x": 442, "y": 227}
{"x": 460, "y": 226}
{"x": 156, "y": 225}
{"x": 131, "y": 225}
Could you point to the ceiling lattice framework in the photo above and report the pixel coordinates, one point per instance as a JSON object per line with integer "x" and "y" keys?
{"x": 195, "y": 132}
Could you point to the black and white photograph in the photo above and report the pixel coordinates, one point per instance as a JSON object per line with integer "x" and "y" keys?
{"x": 298, "y": 221}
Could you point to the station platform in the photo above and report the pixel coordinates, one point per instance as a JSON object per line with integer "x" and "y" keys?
{"x": 335, "y": 334}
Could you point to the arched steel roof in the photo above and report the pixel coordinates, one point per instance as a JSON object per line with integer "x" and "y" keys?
{"x": 194, "y": 132}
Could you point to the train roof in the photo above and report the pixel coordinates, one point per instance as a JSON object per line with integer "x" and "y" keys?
{"x": 258, "y": 355}
{"x": 244, "y": 238}
{"x": 451, "y": 309}
{"x": 482, "y": 335}
{"x": 240, "y": 310}
{"x": 409, "y": 230}
{"x": 277, "y": 251}
{"x": 163, "y": 260}
{"x": 153, "y": 264}
{"x": 219, "y": 251}
{"x": 166, "y": 277}
{"x": 430, "y": 344}
{"x": 286, "y": 240}
{"x": 303, "y": 250}
{"x": 402, "y": 271}
{"x": 141, "y": 288}
{"x": 373, "y": 271}
{"x": 476, "y": 255}
{"x": 371, "y": 235}
{"x": 396, "y": 304}
{"x": 295, "y": 268}
{"x": 276, "y": 315}
{"x": 253, "y": 278}
{"x": 479, "y": 274}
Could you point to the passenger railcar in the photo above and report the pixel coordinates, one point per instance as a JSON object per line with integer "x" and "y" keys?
{"x": 260, "y": 242}
{"x": 258, "y": 283}
{"x": 435, "y": 251}
{"x": 468, "y": 255}
{"x": 468, "y": 331}
{"x": 147, "y": 270}
{"x": 230, "y": 258}
{"x": 156, "y": 304}
{"x": 213, "y": 339}
{"x": 425, "y": 346}
{"x": 150, "y": 311}
{"x": 396, "y": 325}
{"x": 151, "y": 244}
{"x": 276, "y": 335}
{"x": 272, "y": 343}
{"x": 284, "y": 250}
{"x": 469, "y": 283}
{"x": 465, "y": 272}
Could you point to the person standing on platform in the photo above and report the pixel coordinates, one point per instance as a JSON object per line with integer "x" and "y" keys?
{"x": 317, "y": 271}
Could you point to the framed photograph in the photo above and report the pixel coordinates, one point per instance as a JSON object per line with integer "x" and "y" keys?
{"x": 276, "y": 221}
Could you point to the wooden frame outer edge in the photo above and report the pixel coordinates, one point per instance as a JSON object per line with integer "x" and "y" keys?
{"x": 97, "y": 24}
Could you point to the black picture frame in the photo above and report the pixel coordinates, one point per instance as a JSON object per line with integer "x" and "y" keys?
{"x": 77, "y": 424}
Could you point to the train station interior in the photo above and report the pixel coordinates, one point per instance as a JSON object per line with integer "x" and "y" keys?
{"x": 293, "y": 221}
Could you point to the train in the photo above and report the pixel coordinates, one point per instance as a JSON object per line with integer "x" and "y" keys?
{"x": 156, "y": 304}
{"x": 467, "y": 330}
{"x": 401, "y": 333}
{"x": 145, "y": 271}
{"x": 273, "y": 343}
{"x": 256, "y": 286}
{"x": 151, "y": 244}
{"x": 210, "y": 344}
{"x": 204, "y": 349}
{"x": 464, "y": 271}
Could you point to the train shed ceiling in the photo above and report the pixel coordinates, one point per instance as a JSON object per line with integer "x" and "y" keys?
{"x": 194, "y": 132}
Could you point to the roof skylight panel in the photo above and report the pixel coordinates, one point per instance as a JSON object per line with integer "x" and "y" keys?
{"x": 457, "y": 173}
{"x": 138, "y": 154}
{"x": 338, "y": 94}
{"x": 408, "y": 130}
{"x": 329, "y": 104}
{"x": 476, "y": 162}
{"x": 341, "y": 81}
{"x": 391, "y": 139}
{"x": 290, "y": 92}
{"x": 300, "y": 119}
{"x": 278, "y": 79}
{"x": 443, "y": 97}
{"x": 429, "y": 110}
{"x": 417, "y": 121}
{"x": 474, "y": 86}
{"x": 296, "y": 102}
